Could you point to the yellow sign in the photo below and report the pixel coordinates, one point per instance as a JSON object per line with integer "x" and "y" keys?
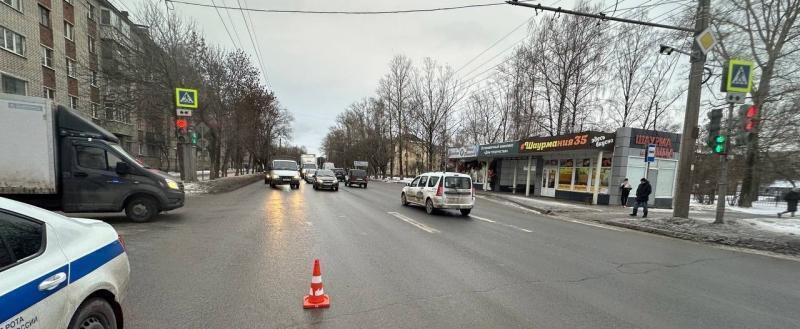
{"x": 706, "y": 40}
{"x": 186, "y": 98}
{"x": 740, "y": 76}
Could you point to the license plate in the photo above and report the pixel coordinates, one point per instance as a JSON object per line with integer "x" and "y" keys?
{"x": 287, "y": 179}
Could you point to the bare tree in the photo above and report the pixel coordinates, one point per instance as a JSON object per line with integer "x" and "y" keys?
{"x": 395, "y": 89}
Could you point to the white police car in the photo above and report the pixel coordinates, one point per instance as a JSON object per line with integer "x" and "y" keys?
{"x": 59, "y": 272}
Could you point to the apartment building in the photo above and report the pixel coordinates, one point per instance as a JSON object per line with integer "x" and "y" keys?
{"x": 69, "y": 51}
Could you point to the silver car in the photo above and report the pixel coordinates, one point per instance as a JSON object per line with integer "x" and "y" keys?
{"x": 326, "y": 179}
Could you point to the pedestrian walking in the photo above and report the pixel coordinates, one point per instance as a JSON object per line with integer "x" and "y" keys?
{"x": 642, "y": 196}
{"x": 624, "y": 191}
{"x": 791, "y": 198}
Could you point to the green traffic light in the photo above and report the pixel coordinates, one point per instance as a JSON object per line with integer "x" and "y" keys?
{"x": 720, "y": 139}
{"x": 719, "y": 149}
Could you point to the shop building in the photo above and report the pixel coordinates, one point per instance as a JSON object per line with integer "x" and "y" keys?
{"x": 586, "y": 166}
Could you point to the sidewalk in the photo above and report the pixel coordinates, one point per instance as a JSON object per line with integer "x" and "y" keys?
{"x": 744, "y": 227}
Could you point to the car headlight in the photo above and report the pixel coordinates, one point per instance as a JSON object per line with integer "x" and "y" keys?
{"x": 296, "y": 176}
{"x": 172, "y": 184}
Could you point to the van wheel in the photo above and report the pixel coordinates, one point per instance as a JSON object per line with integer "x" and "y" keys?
{"x": 465, "y": 212}
{"x": 403, "y": 199}
{"x": 429, "y": 207}
{"x": 141, "y": 209}
{"x": 95, "y": 313}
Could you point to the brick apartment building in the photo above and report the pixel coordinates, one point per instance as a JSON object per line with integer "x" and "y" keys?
{"x": 61, "y": 49}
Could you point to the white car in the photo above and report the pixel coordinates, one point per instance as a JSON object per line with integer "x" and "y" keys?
{"x": 59, "y": 272}
{"x": 440, "y": 190}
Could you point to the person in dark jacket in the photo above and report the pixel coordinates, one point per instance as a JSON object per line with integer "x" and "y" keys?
{"x": 791, "y": 198}
{"x": 642, "y": 196}
{"x": 624, "y": 191}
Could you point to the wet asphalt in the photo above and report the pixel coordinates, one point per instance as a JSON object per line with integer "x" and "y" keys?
{"x": 243, "y": 259}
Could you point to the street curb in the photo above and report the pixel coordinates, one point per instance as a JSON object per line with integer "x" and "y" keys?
{"x": 536, "y": 209}
{"x": 749, "y": 244}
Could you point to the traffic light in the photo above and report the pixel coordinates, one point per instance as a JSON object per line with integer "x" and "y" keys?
{"x": 719, "y": 144}
{"x": 747, "y": 122}
{"x": 714, "y": 126}
{"x": 749, "y": 119}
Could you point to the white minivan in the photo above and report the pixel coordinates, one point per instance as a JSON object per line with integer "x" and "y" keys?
{"x": 59, "y": 272}
{"x": 440, "y": 190}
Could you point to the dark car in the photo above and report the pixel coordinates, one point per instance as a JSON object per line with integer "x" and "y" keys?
{"x": 325, "y": 179}
{"x": 340, "y": 174}
{"x": 357, "y": 177}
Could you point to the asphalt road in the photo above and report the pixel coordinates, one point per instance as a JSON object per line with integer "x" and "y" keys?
{"x": 243, "y": 260}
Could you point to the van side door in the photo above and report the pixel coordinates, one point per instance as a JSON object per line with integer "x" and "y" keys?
{"x": 93, "y": 184}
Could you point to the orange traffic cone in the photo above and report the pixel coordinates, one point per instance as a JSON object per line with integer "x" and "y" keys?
{"x": 316, "y": 295}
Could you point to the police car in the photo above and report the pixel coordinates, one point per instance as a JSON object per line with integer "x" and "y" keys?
{"x": 59, "y": 272}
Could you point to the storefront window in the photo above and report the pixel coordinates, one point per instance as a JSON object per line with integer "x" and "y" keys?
{"x": 582, "y": 175}
{"x": 605, "y": 175}
{"x": 565, "y": 172}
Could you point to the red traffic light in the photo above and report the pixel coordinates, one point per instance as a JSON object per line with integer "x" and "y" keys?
{"x": 749, "y": 118}
{"x": 181, "y": 123}
{"x": 751, "y": 112}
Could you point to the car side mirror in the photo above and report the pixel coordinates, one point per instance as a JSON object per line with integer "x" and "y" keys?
{"x": 122, "y": 168}
{"x": 408, "y": 184}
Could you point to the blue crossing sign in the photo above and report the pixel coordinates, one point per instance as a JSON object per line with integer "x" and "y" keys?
{"x": 739, "y": 77}
{"x": 186, "y": 98}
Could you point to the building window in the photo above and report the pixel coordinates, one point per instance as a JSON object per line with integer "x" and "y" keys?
{"x": 47, "y": 57}
{"x": 73, "y": 102}
{"x": 48, "y": 93}
{"x": 105, "y": 16}
{"x": 12, "y": 85}
{"x": 16, "y": 4}
{"x": 12, "y": 41}
{"x": 44, "y": 16}
{"x": 69, "y": 33}
{"x": 109, "y": 108}
{"x": 95, "y": 110}
{"x": 71, "y": 68}
{"x": 94, "y": 78}
{"x": 566, "y": 171}
{"x": 91, "y": 45}
{"x": 91, "y": 14}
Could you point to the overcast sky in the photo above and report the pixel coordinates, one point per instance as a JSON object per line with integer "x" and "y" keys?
{"x": 319, "y": 64}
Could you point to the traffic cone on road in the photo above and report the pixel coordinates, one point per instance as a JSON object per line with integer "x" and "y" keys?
{"x": 316, "y": 295}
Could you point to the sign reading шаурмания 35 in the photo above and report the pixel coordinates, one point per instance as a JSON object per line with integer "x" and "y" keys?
{"x": 587, "y": 140}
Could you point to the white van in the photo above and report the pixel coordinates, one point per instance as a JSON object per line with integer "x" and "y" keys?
{"x": 440, "y": 190}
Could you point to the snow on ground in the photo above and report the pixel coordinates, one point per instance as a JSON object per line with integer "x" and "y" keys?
{"x": 549, "y": 204}
{"x": 397, "y": 180}
{"x": 785, "y": 224}
{"x": 195, "y": 188}
{"x": 757, "y": 209}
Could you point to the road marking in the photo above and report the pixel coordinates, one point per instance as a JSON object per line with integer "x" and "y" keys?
{"x": 500, "y": 223}
{"x": 607, "y": 227}
{"x": 419, "y": 225}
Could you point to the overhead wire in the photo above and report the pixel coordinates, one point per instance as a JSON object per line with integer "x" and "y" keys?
{"x": 233, "y": 26}
{"x": 347, "y": 12}
{"x": 253, "y": 40}
{"x": 224, "y": 25}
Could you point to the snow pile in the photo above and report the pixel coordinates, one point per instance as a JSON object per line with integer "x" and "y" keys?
{"x": 195, "y": 188}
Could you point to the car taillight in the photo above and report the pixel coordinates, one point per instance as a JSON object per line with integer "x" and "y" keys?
{"x": 122, "y": 242}
{"x": 439, "y": 190}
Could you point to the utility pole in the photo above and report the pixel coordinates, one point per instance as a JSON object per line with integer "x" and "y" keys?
{"x": 722, "y": 183}
{"x": 683, "y": 189}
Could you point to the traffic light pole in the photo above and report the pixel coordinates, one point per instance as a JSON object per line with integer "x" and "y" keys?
{"x": 683, "y": 187}
{"x": 722, "y": 184}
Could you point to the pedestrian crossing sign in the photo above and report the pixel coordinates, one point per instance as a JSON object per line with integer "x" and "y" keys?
{"x": 186, "y": 98}
{"x": 740, "y": 76}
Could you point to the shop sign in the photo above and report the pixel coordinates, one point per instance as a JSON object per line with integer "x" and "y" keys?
{"x": 589, "y": 140}
{"x": 462, "y": 152}
{"x": 499, "y": 148}
{"x": 666, "y": 143}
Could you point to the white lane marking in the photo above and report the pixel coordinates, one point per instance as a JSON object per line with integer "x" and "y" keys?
{"x": 419, "y": 225}
{"x": 501, "y": 223}
{"x": 607, "y": 227}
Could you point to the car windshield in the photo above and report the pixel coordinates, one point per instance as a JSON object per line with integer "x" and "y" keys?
{"x": 325, "y": 172}
{"x": 309, "y": 166}
{"x": 458, "y": 182}
{"x": 358, "y": 173}
{"x": 284, "y": 165}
